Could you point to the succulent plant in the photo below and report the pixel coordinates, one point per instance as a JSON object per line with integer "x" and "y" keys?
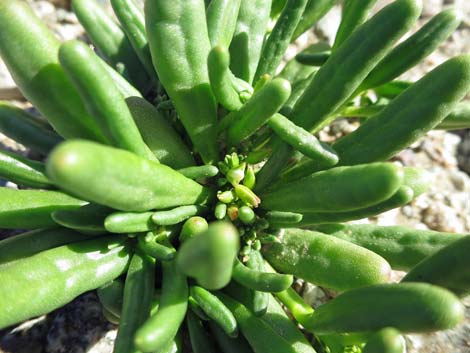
{"x": 192, "y": 185}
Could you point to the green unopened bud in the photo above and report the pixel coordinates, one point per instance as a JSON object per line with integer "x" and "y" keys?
{"x": 247, "y": 196}
{"x": 246, "y": 215}
{"x": 220, "y": 211}
{"x": 231, "y": 160}
{"x": 226, "y": 196}
{"x": 235, "y": 160}
{"x": 236, "y": 175}
{"x": 250, "y": 179}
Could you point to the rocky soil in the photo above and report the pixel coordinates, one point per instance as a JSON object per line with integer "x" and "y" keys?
{"x": 80, "y": 327}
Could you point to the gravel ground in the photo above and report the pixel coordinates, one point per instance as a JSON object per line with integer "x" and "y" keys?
{"x": 80, "y": 327}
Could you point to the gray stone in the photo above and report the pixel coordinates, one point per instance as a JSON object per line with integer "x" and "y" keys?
{"x": 78, "y": 327}
{"x": 464, "y": 152}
